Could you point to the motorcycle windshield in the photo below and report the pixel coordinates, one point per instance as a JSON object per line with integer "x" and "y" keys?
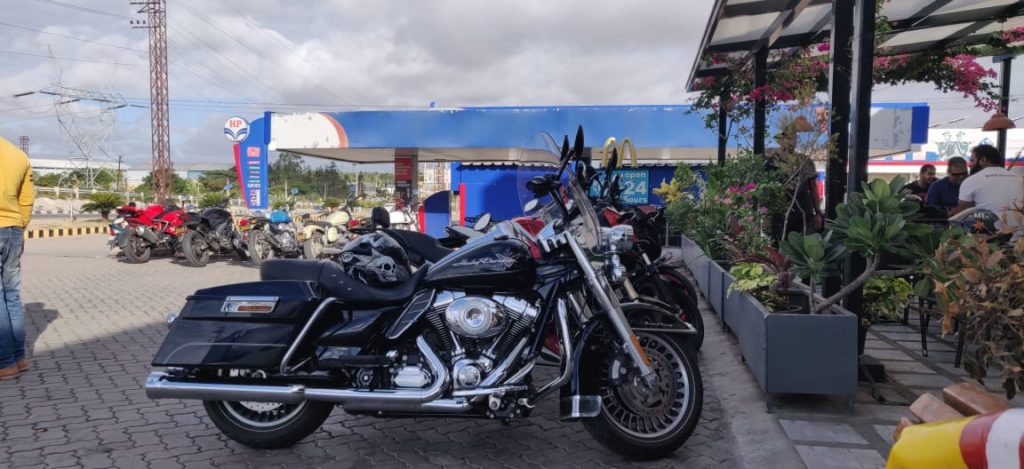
{"x": 543, "y": 157}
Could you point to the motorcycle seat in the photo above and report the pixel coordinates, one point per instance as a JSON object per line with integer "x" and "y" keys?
{"x": 424, "y": 246}
{"x": 334, "y": 282}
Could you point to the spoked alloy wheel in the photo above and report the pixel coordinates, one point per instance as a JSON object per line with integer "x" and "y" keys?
{"x": 267, "y": 424}
{"x": 642, "y": 422}
{"x": 262, "y": 414}
{"x": 314, "y": 246}
{"x": 260, "y": 248}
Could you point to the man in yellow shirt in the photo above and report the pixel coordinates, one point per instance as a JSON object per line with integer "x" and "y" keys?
{"x": 16, "y": 198}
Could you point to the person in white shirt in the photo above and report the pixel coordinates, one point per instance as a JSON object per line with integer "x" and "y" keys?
{"x": 992, "y": 187}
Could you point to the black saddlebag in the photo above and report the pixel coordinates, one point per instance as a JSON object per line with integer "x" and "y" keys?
{"x": 245, "y": 325}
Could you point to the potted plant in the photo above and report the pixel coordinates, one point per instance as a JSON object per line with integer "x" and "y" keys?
{"x": 980, "y": 284}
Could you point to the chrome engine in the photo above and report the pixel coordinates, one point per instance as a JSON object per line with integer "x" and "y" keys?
{"x": 285, "y": 235}
{"x": 477, "y": 333}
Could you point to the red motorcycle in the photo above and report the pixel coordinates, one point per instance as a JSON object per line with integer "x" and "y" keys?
{"x": 143, "y": 230}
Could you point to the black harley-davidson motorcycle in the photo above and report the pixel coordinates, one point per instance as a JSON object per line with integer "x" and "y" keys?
{"x": 649, "y": 273}
{"x": 211, "y": 231}
{"x": 460, "y": 337}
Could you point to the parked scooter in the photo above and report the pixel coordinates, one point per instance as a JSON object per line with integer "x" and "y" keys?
{"x": 154, "y": 227}
{"x": 211, "y": 231}
{"x": 271, "y": 236}
{"x": 331, "y": 232}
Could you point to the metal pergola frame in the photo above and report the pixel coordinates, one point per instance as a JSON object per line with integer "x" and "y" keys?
{"x": 850, "y": 26}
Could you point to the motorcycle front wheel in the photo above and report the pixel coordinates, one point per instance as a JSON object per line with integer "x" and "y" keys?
{"x": 641, "y": 422}
{"x": 260, "y": 248}
{"x": 312, "y": 247}
{"x": 137, "y": 250}
{"x": 684, "y": 295}
{"x": 267, "y": 425}
{"x": 196, "y": 249}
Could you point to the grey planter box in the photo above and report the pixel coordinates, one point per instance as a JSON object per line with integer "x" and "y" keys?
{"x": 788, "y": 353}
{"x": 796, "y": 353}
{"x": 714, "y": 295}
{"x": 697, "y": 262}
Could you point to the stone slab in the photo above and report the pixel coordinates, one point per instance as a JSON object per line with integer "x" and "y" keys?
{"x": 821, "y": 432}
{"x": 897, "y": 366}
{"x": 889, "y": 355}
{"x": 921, "y": 380}
{"x": 823, "y": 457}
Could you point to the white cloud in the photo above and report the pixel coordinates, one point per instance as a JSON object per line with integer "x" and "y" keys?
{"x": 380, "y": 53}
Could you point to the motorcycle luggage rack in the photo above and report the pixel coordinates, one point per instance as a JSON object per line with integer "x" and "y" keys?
{"x": 285, "y": 369}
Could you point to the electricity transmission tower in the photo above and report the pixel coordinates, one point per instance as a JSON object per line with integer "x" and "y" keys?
{"x": 92, "y": 142}
{"x": 159, "y": 115}
{"x": 23, "y": 143}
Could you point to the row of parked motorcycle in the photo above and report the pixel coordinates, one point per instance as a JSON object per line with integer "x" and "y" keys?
{"x": 198, "y": 235}
{"x": 456, "y": 326}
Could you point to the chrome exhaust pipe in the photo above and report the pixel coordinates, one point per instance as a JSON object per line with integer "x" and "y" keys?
{"x": 390, "y": 400}
{"x": 404, "y": 400}
{"x": 158, "y": 387}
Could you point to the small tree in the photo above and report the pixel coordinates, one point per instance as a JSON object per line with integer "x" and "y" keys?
{"x": 103, "y": 202}
{"x": 213, "y": 199}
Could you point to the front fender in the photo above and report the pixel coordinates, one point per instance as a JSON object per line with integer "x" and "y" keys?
{"x": 312, "y": 227}
{"x": 652, "y": 315}
{"x": 580, "y": 397}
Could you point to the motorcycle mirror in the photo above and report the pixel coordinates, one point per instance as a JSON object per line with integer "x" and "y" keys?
{"x": 482, "y": 222}
{"x": 531, "y": 205}
{"x": 578, "y": 147}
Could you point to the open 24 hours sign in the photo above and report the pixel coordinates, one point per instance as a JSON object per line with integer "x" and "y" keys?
{"x": 635, "y": 185}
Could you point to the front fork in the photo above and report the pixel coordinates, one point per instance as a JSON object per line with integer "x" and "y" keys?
{"x": 616, "y": 318}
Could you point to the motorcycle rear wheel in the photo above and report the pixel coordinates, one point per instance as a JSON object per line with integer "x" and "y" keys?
{"x": 137, "y": 251}
{"x": 267, "y": 425}
{"x": 644, "y": 423}
{"x": 196, "y": 249}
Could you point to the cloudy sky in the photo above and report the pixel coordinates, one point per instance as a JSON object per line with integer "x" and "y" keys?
{"x": 246, "y": 56}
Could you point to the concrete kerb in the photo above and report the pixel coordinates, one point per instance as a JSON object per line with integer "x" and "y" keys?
{"x": 63, "y": 232}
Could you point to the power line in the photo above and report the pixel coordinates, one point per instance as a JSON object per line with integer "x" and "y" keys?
{"x": 85, "y": 9}
{"x": 255, "y": 79}
{"x": 90, "y": 41}
{"x": 210, "y": 75}
{"x": 70, "y": 59}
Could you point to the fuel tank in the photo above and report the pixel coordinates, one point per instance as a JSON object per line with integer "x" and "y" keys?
{"x": 496, "y": 266}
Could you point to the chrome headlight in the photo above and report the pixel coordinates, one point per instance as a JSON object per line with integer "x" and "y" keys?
{"x": 618, "y": 238}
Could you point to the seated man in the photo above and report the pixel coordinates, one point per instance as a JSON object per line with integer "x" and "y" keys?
{"x": 924, "y": 180}
{"x": 945, "y": 192}
{"x": 992, "y": 187}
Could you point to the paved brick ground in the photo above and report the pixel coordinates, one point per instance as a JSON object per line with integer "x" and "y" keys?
{"x": 94, "y": 323}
